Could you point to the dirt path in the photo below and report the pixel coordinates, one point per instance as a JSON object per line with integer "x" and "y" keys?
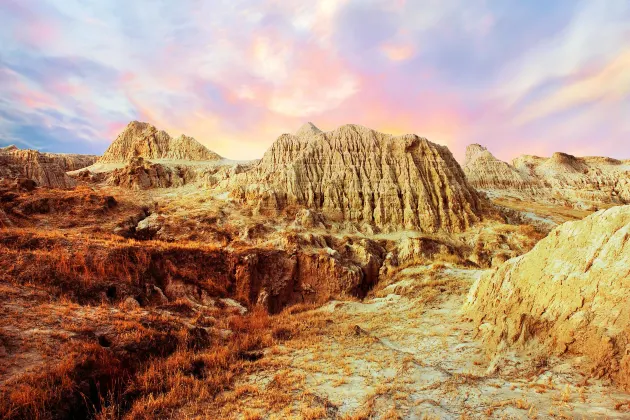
{"x": 412, "y": 356}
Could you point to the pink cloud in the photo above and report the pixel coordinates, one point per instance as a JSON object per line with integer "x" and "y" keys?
{"x": 36, "y": 31}
{"x": 398, "y": 52}
{"x": 237, "y": 78}
{"x": 610, "y": 83}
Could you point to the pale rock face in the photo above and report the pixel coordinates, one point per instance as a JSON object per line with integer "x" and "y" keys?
{"x": 308, "y": 130}
{"x": 283, "y": 151}
{"x": 150, "y": 226}
{"x": 583, "y": 183}
{"x": 72, "y": 162}
{"x": 483, "y": 171}
{"x": 187, "y": 148}
{"x": 596, "y": 179}
{"x": 360, "y": 175}
{"x": 413, "y": 251}
{"x": 45, "y": 169}
{"x": 9, "y": 148}
{"x": 570, "y": 293}
{"x": 140, "y": 174}
{"x": 144, "y": 140}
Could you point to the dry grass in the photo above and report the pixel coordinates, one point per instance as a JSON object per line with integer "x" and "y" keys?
{"x": 82, "y": 269}
{"x": 519, "y": 403}
{"x": 141, "y": 376}
{"x": 79, "y": 353}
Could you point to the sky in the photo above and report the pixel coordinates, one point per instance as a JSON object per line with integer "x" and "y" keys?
{"x": 519, "y": 77}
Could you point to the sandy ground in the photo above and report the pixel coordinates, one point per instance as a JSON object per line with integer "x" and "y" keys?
{"x": 412, "y": 357}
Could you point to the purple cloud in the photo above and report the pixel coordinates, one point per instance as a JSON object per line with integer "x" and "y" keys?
{"x": 237, "y": 74}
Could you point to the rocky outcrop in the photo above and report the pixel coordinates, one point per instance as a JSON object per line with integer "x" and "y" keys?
{"x": 283, "y": 152}
{"x": 569, "y": 293}
{"x": 277, "y": 278}
{"x": 585, "y": 183}
{"x": 44, "y": 169}
{"x": 288, "y": 148}
{"x": 140, "y": 174}
{"x": 144, "y": 140}
{"x": 72, "y": 162}
{"x": 308, "y": 219}
{"x": 360, "y": 175}
{"x": 308, "y": 130}
{"x": 417, "y": 251}
{"x": 484, "y": 171}
{"x": 587, "y": 179}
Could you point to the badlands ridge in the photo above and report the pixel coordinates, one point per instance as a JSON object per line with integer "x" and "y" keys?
{"x": 345, "y": 274}
{"x": 563, "y": 179}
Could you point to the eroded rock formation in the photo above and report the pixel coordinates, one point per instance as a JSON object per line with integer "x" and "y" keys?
{"x": 586, "y": 182}
{"x": 580, "y": 179}
{"x": 144, "y": 140}
{"x": 44, "y": 169}
{"x": 140, "y": 174}
{"x": 484, "y": 171}
{"x": 569, "y": 293}
{"x": 357, "y": 174}
{"x": 72, "y": 162}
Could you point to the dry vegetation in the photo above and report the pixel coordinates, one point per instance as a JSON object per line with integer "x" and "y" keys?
{"x": 84, "y": 269}
{"x": 146, "y": 371}
{"x": 108, "y": 361}
{"x": 86, "y": 329}
{"x": 97, "y": 325}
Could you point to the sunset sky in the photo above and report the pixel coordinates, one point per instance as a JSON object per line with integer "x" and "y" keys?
{"x": 518, "y": 76}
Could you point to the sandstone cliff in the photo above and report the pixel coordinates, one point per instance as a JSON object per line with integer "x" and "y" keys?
{"x": 569, "y": 293}
{"x": 587, "y": 182}
{"x": 44, "y": 169}
{"x": 144, "y": 140}
{"x": 357, "y": 174}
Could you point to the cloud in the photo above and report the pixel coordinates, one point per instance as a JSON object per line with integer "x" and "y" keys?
{"x": 517, "y": 76}
{"x": 397, "y": 52}
{"x": 596, "y": 33}
{"x": 610, "y": 85}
